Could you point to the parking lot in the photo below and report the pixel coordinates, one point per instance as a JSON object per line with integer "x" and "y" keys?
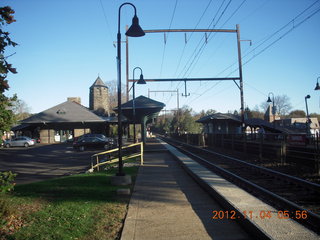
{"x": 44, "y": 161}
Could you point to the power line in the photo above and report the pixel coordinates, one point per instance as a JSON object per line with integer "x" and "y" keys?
{"x": 271, "y": 36}
{"x": 275, "y": 41}
{"x": 237, "y": 9}
{"x": 199, "y": 53}
{"x": 106, "y": 20}
{"x": 194, "y": 52}
{"x": 205, "y": 10}
{"x": 164, "y": 48}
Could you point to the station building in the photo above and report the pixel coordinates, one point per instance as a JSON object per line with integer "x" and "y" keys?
{"x": 71, "y": 119}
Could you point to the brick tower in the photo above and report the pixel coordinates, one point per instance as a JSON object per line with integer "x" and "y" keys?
{"x": 99, "y": 98}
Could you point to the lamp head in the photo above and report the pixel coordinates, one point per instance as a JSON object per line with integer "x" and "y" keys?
{"x": 269, "y": 99}
{"x": 308, "y": 96}
{"x": 141, "y": 80}
{"x": 317, "y": 87}
{"x": 135, "y": 30}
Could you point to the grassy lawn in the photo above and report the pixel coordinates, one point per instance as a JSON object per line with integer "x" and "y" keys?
{"x": 83, "y": 206}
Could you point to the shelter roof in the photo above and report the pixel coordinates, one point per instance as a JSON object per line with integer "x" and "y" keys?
{"x": 143, "y": 107}
{"x": 143, "y": 102}
{"x": 219, "y": 116}
{"x": 68, "y": 111}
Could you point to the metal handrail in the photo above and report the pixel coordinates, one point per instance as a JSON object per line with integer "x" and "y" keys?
{"x": 125, "y": 157}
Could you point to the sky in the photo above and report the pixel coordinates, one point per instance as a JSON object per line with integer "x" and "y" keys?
{"x": 65, "y": 45}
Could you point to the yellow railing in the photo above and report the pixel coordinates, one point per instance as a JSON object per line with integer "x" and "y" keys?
{"x": 108, "y": 159}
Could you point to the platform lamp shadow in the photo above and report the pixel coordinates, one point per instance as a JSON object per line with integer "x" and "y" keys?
{"x": 134, "y": 31}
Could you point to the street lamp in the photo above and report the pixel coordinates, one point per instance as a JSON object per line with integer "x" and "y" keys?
{"x": 308, "y": 117}
{"x": 134, "y": 31}
{"x": 273, "y": 107}
{"x": 140, "y": 81}
{"x": 317, "y": 85}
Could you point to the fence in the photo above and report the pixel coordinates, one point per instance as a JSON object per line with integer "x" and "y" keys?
{"x": 297, "y": 148}
{"x": 111, "y": 156}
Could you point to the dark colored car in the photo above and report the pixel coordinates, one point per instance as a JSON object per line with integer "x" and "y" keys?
{"x": 110, "y": 140}
{"x": 91, "y": 143}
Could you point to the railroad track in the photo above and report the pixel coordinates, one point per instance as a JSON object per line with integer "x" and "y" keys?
{"x": 294, "y": 197}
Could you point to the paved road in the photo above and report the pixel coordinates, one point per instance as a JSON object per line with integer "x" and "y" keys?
{"x": 44, "y": 161}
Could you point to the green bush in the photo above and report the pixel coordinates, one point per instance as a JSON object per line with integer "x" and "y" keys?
{"x": 7, "y": 181}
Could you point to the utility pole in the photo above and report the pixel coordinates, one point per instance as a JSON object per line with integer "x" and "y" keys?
{"x": 240, "y": 76}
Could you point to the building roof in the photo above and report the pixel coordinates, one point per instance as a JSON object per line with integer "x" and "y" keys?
{"x": 142, "y": 102}
{"x": 219, "y": 116}
{"x": 66, "y": 112}
{"x": 143, "y": 107}
{"x": 98, "y": 83}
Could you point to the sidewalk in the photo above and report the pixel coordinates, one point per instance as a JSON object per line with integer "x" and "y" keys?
{"x": 167, "y": 204}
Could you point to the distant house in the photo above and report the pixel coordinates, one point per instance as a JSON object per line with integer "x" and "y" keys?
{"x": 299, "y": 124}
{"x": 223, "y": 123}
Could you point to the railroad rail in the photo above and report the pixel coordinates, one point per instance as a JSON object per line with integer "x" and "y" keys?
{"x": 287, "y": 193}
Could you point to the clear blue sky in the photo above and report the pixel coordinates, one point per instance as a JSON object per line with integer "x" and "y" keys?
{"x": 64, "y": 45}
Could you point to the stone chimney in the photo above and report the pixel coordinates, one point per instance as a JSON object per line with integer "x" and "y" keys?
{"x": 75, "y": 99}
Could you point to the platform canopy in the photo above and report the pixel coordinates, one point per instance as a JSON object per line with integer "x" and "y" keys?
{"x": 144, "y": 107}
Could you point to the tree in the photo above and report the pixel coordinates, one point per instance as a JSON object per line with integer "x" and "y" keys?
{"x": 20, "y": 109}
{"x": 256, "y": 113}
{"x": 297, "y": 114}
{"x": 185, "y": 121}
{"x": 113, "y": 94}
{"x": 7, "y": 118}
{"x": 282, "y": 104}
{"x": 315, "y": 115}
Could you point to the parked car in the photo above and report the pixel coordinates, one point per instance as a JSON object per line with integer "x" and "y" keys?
{"x": 21, "y": 141}
{"x": 110, "y": 140}
{"x": 91, "y": 143}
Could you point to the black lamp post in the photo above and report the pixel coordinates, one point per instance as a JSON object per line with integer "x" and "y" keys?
{"x": 273, "y": 107}
{"x": 317, "y": 85}
{"x": 308, "y": 117}
{"x": 134, "y": 31}
{"x": 140, "y": 81}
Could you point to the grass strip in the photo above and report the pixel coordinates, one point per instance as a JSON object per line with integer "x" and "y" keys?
{"x": 83, "y": 206}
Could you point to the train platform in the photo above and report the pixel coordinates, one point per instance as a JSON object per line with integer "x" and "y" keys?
{"x": 167, "y": 203}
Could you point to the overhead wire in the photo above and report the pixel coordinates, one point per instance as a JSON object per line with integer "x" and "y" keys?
{"x": 211, "y": 25}
{"x": 228, "y": 19}
{"x": 275, "y": 41}
{"x": 164, "y": 48}
{"x": 106, "y": 20}
{"x": 234, "y": 12}
{"x": 188, "y": 39}
{"x": 205, "y": 10}
{"x": 194, "y": 54}
{"x": 261, "y": 42}
{"x": 204, "y": 44}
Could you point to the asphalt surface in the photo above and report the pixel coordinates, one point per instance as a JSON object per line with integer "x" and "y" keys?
{"x": 44, "y": 161}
